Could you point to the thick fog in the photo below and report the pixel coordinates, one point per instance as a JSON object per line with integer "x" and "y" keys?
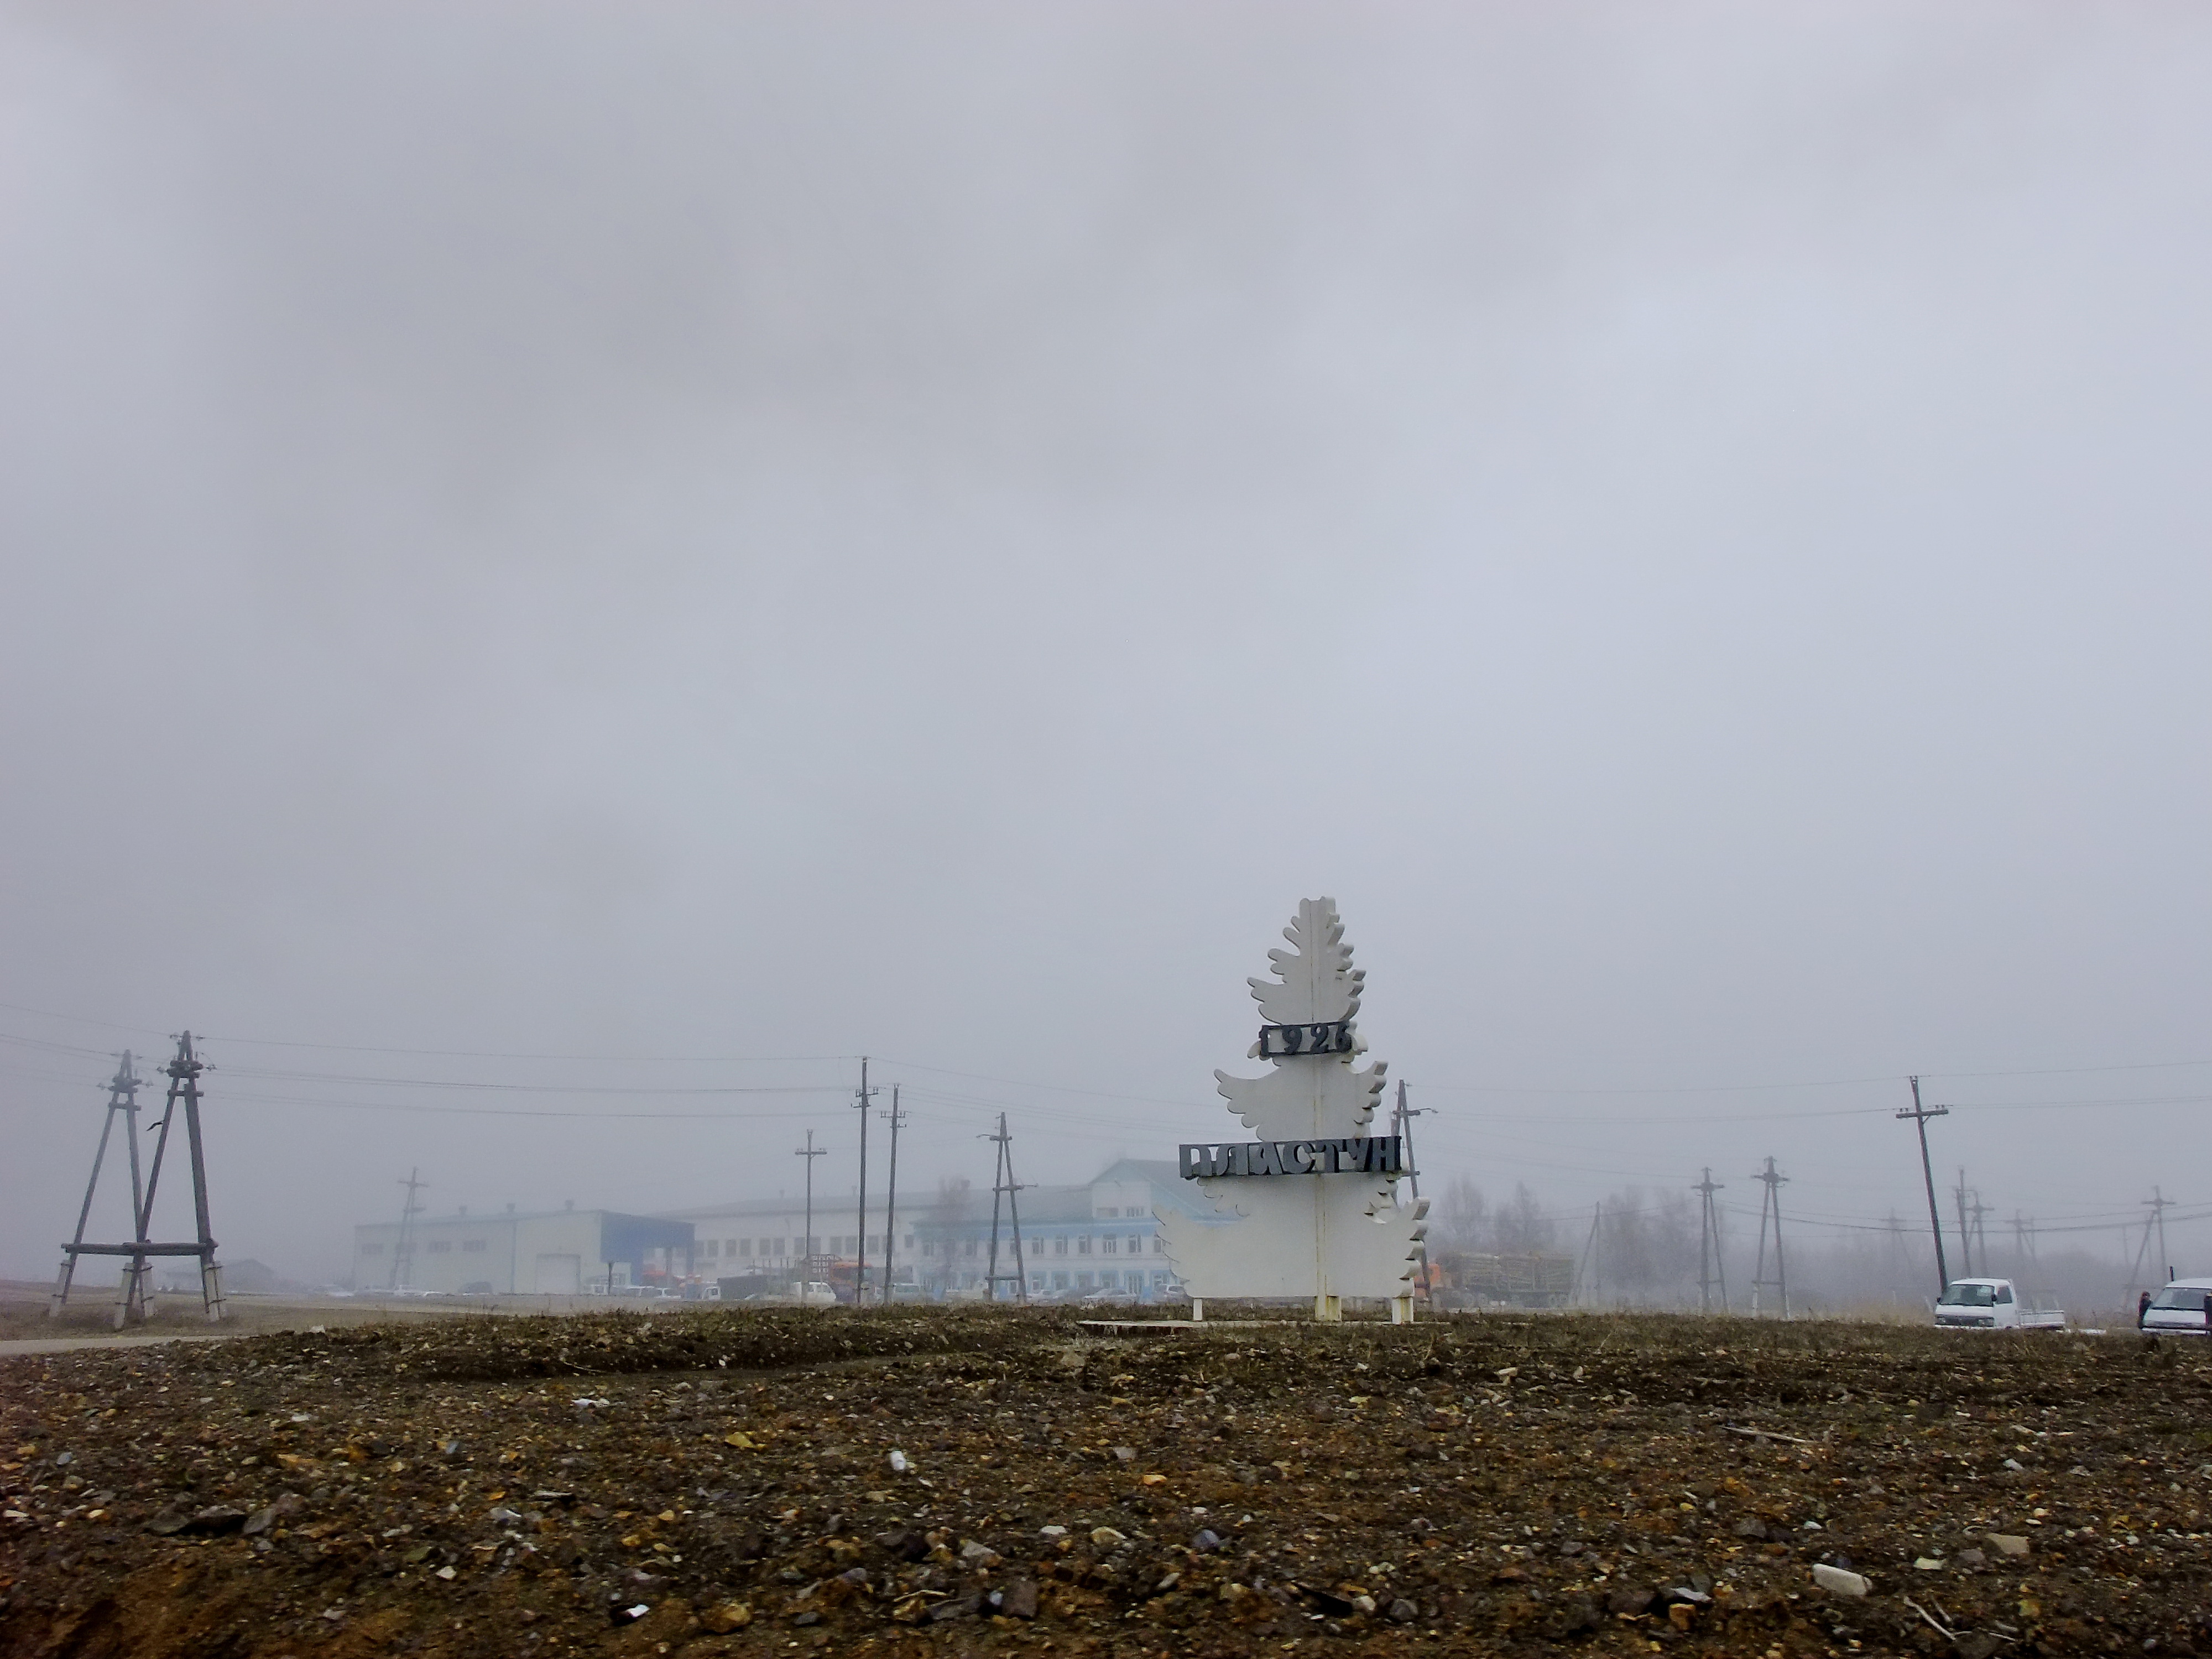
{"x": 713, "y": 541}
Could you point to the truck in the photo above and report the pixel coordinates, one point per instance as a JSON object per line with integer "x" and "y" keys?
{"x": 1992, "y": 1304}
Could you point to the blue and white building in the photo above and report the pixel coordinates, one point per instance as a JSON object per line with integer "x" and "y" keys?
{"x": 1100, "y": 1236}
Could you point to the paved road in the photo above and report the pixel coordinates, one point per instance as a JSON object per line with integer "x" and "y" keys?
{"x": 63, "y": 1344}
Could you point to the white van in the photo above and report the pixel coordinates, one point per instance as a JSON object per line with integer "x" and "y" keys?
{"x": 2179, "y": 1309}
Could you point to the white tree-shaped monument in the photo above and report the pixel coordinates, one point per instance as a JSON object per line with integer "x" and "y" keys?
{"x": 1311, "y": 1208}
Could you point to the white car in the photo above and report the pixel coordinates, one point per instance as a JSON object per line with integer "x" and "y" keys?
{"x": 2179, "y": 1309}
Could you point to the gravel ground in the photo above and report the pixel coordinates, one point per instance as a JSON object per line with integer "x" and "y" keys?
{"x": 929, "y": 1481}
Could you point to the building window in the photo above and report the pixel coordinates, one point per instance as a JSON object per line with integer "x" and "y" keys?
{"x": 475, "y": 1245}
{"x": 1109, "y": 1244}
{"x": 1082, "y": 1245}
{"x": 1159, "y": 1281}
{"x": 970, "y": 1247}
{"x": 441, "y": 1247}
{"x": 1159, "y": 1244}
{"x": 1082, "y": 1282}
{"x": 1060, "y": 1245}
{"x": 781, "y": 1246}
{"x": 372, "y": 1250}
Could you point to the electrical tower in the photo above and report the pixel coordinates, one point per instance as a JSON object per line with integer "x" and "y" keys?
{"x": 810, "y": 1151}
{"x": 2158, "y": 1204}
{"x": 1975, "y": 1212}
{"x": 1710, "y": 1263}
{"x": 122, "y": 1096}
{"x": 183, "y": 1074}
{"x": 402, "y": 1253}
{"x": 2023, "y": 1243}
{"x": 1920, "y": 1114}
{"x": 1592, "y": 1253}
{"x": 1769, "y": 1210}
{"x": 1003, "y": 1182}
{"x": 890, "y": 1204}
{"x": 1966, "y": 1234}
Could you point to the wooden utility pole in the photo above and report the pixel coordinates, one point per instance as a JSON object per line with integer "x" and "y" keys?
{"x": 1965, "y": 1236}
{"x": 1709, "y": 1240}
{"x": 1003, "y": 1182}
{"x": 1770, "y": 1207}
{"x": 890, "y": 1204}
{"x": 810, "y": 1151}
{"x": 1920, "y": 1114}
{"x": 861, "y": 1263}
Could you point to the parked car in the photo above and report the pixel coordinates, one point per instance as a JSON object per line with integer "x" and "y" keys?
{"x": 812, "y": 1293}
{"x": 1992, "y": 1304}
{"x": 2179, "y": 1309}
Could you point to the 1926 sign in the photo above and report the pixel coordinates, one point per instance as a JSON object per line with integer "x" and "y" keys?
{"x": 1332, "y": 1036}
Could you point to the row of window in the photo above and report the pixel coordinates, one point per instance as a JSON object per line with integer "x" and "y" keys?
{"x": 737, "y": 1249}
{"x": 1109, "y": 1244}
{"x": 1130, "y": 1282}
{"x": 433, "y": 1247}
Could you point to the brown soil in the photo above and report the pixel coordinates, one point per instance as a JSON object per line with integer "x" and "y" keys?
{"x": 722, "y": 1483}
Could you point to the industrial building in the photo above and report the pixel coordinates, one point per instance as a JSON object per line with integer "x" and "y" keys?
{"x": 1098, "y": 1238}
{"x": 753, "y": 1237}
{"x": 564, "y": 1252}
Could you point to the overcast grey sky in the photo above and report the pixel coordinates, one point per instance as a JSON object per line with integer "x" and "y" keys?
{"x": 727, "y": 538}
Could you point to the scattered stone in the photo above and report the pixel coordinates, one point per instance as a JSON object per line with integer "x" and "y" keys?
{"x": 1838, "y": 1580}
{"x": 1401, "y": 1612}
{"x": 1205, "y": 1540}
{"x": 2005, "y": 1543}
{"x": 1681, "y": 1615}
{"x": 1125, "y": 1453}
{"x": 729, "y": 1616}
{"x": 1629, "y": 1603}
{"x": 966, "y": 1607}
{"x": 1971, "y": 1558}
{"x": 1019, "y": 1599}
{"x": 1929, "y": 1564}
{"x": 1107, "y": 1537}
{"x": 1053, "y": 1531}
{"x": 899, "y": 1463}
{"x": 618, "y": 1614}
{"x": 975, "y": 1550}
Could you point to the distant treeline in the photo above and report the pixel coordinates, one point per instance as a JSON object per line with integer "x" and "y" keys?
{"x": 1640, "y": 1248}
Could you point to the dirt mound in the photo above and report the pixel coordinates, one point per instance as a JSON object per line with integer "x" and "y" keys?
{"x": 929, "y": 1480}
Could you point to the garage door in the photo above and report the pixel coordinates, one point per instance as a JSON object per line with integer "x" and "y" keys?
{"x": 560, "y": 1275}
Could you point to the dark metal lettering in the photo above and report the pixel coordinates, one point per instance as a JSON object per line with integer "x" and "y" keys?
{"x": 1321, "y": 1038}
{"x": 1352, "y": 1155}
